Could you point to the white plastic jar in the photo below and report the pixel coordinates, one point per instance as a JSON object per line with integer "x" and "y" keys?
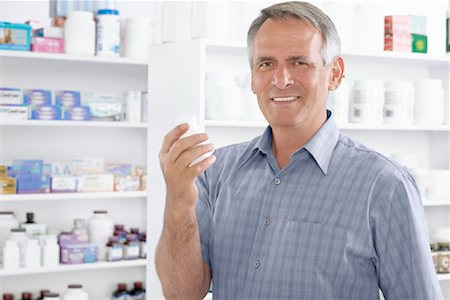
{"x": 79, "y": 33}
{"x": 51, "y": 296}
{"x": 100, "y": 228}
{"x": 108, "y": 33}
{"x": 429, "y": 102}
{"x": 222, "y": 96}
{"x": 138, "y": 36}
{"x": 75, "y": 292}
{"x": 398, "y": 102}
{"x": 32, "y": 254}
{"x": 19, "y": 235}
{"x": 7, "y": 222}
{"x": 11, "y": 255}
{"x": 50, "y": 251}
{"x": 367, "y": 101}
{"x": 248, "y": 103}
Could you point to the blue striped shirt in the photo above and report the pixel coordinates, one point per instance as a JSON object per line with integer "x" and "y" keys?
{"x": 339, "y": 221}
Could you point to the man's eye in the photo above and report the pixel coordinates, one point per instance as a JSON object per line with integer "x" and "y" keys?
{"x": 266, "y": 64}
{"x": 300, "y": 63}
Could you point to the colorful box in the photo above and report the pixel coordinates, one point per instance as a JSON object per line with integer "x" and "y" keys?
{"x": 37, "y": 98}
{"x": 119, "y": 169}
{"x": 46, "y": 112}
{"x": 419, "y": 43}
{"x": 46, "y": 44}
{"x": 28, "y": 174}
{"x": 8, "y": 185}
{"x": 11, "y": 96}
{"x": 67, "y": 99}
{"x": 127, "y": 183}
{"x": 78, "y": 254}
{"x": 96, "y": 183}
{"x": 64, "y": 184}
{"x": 83, "y": 166}
{"x": 15, "y": 36}
{"x": 78, "y": 113}
{"x": 397, "y": 33}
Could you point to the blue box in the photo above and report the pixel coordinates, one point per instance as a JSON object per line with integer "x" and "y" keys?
{"x": 15, "y": 36}
{"x": 67, "y": 99}
{"x": 78, "y": 113}
{"x": 46, "y": 112}
{"x": 37, "y": 98}
{"x": 28, "y": 174}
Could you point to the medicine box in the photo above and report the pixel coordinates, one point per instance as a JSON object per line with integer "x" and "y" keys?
{"x": 8, "y": 185}
{"x": 64, "y": 184}
{"x": 133, "y": 103}
{"x": 48, "y": 45}
{"x": 11, "y": 96}
{"x": 106, "y": 111}
{"x": 397, "y": 33}
{"x": 28, "y": 174}
{"x": 67, "y": 99}
{"x": 14, "y": 112}
{"x": 78, "y": 254}
{"x": 46, "y": 112}
{"x": 119, "y": 169}
{"x": 15, "y": 36}
{"x": 36, "y": 98}
{"x": 96, "y": 183}
{"x": 127, "y": 183}
{"x": 69, "y": 238}
{"x": 83, "y": 166}
{"x": 77, "y": 113}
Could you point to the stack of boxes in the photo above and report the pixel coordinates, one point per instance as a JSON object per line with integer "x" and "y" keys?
{"x": 405, "y": 34}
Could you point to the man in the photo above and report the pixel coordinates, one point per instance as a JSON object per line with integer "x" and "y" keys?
{"x": 301, "y": 212}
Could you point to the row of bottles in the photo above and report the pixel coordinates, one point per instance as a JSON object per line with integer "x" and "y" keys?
{"x": 76, "y": 292}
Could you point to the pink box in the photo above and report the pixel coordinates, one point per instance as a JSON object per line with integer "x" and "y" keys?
{"x": 43, "y": 44}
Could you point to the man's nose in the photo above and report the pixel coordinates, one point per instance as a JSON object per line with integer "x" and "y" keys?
{"x": 282, "y": 78}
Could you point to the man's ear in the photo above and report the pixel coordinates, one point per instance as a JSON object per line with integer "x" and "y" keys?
{"x": 251, "y": 85}
{"x": 337, "y": 71}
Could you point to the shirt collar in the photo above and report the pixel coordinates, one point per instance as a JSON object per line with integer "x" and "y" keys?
{"x": 320, "y": 146}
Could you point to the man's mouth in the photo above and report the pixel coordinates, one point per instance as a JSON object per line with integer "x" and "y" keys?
{"x": 285, "y": 99}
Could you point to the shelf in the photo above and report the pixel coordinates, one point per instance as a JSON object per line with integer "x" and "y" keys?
{"x": 61, "y": 123}
{"x": 386, "y": 127}
{"x": 77, "y": 267}
{"x": 443, "y": 277}
{"x": 71, "y": 196}
{"x": 236, "y": 47}
{"x": 435, "y": 202}
{"x": 71, "y": 58}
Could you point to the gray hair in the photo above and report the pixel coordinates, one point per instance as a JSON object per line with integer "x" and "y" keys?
{"x": 300, "y": 11}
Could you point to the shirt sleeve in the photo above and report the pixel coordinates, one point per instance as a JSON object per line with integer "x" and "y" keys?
{"x": 204, "y": 215}
{"x": 403, "y": 258}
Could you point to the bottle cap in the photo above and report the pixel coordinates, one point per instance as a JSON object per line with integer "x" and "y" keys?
{"x": 107, "y": 12}
{"x": 138, "y": 284}
{"x": 27, "y": 296}
{"x": 74, "y": 286}
{"x": 122, "y": 286}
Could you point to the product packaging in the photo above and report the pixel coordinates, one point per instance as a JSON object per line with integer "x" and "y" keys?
{"x": 15, "y": 36}
{"x": 37, "y": 98}
{"x": 133, "y": 106}
{"x": 46, "y": 113}
{"x": 28, "y": 174}
{"x": 14, "y": 112}
{"x": 119, "y": 169}
{"x": 78, "y": 113}
{"x": 78, "y": 254}
{"x": 82, "y": 166}
{"x": 64, "y": 184}
{"x": 11, "y": 96}
{"x": 419, "y": 33}
{"x": 67, "y": 99}
{"x": 46, "y": 44}
{"x": 397, "y": 33}
{"x": 127, "y": 183}
{"x": 96, "y": 183}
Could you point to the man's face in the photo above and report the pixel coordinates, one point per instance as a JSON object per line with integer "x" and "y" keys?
{"x": 288, "y": 73}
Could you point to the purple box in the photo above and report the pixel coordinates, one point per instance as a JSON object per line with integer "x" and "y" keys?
{"x": 78, "y": 254}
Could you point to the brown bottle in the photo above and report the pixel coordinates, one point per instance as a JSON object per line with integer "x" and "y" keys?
{"x": 42, "y": 294}
{"x": 8, "y": 297}
{"x": 27, "y": 296}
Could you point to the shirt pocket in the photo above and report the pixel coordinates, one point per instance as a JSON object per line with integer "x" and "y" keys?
{"x": 313, "y": 253}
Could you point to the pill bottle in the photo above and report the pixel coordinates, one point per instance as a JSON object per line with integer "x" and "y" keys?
{"x": 51, "y": 296}
{"x": 398, "y": 105}
{"x": 366, "y": 103}
{"x": 7, "y": 222}
{"x": 50, "y": 252}
{"x": 32, "y": 254}
{"x": 75, "y": 292}
{"x": 27, "y": 296}
{"x": 11, "y": 254}
{"x": 137, "y": 38}
{"x": 19, "y": 235}
{"x": 121, "y": 292}
{"x": 100, "y": 228}
{"x": 138, "y": 291}
{"x": 79, "y": 33}
{"x": 108, "y": 33}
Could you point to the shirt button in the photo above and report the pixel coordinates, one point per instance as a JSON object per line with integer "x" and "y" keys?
{"x": 256, "y": 264}
{"x": 266, "y": 221}
{"x": 277, "y": 181}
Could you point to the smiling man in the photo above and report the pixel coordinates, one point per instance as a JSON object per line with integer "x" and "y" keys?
{"x": 301, "y": 212}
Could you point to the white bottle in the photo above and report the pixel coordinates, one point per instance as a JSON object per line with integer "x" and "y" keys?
{"x": 18, "y": 235}
{"x": 194, "y": 128}
{"x": 100, "y": 228}
{"x": 32, "y": 254}
{"x": 7, "y": 222}
{"x": 75, "y": 292}
{"x": 108, "y": 32}
{"x": 79, "y": 33}
{"x": 50, "y": 252}
{"x": 32, "y": 228}
{"x": 51, "y": 296}
{"x": 11, "y": 255}
{"x": 137, "y": 38}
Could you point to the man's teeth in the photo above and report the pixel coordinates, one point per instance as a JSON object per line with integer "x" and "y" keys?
{"x": 284, "y": 99}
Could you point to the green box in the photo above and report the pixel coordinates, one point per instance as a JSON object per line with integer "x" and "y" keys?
{"x": 419, "y": 43}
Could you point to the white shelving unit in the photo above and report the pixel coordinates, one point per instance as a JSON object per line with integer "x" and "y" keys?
{"x": 77, "y": 267}
{"x": 61, "y": 141}
{"x": 430, "y": 142}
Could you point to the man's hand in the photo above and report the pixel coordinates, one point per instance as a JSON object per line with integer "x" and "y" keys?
{"x": 175, "y": 157}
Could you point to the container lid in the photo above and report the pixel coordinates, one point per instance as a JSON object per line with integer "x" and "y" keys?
{"x": 27, "y": 295}
{"x": 74, "y": 286}
{"x": 51, "y": 295}
{"x": 8, "y": 297}
{"x": 122, "y": 286}
{"x": 100, "y": 211}
{"x": 11, "y": 243}
{"x": 17, "y": 229}
{"x": 138, "y": 284}
{"x": 108, "y": 12}
{"x": 6, "y": 213}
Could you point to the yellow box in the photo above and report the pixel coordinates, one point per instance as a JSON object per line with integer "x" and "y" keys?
{"x": 7, "y": 185}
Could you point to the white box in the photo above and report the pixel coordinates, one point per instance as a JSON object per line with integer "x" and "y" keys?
{"x": 14, "y": 112}
{"x": 133, "y": 103}
{"x": 96, "y": 183}
{"x": 82, "y": 166}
